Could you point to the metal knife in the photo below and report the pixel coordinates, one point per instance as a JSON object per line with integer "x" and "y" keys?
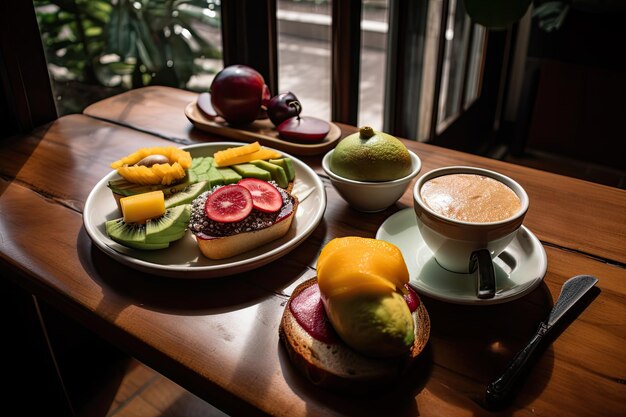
{"x": 501, "y": 388}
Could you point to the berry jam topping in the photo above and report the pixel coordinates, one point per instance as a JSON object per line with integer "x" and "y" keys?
{"x": 308, "y": 310}
{"x": 411, "y": 298}
{"x": 205, "y": 228}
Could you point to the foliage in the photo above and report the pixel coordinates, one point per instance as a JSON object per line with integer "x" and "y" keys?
{"x": 127, "y": 43}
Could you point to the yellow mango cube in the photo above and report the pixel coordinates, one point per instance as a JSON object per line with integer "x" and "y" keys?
{"x": 262, "y": 154}
{"x": 141, "y": 207}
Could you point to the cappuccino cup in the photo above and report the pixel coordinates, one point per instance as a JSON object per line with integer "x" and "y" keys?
{"x": 467, "y": 216}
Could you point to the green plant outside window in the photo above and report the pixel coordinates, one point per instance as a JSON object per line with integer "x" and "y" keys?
{"x": 114, "y": 45}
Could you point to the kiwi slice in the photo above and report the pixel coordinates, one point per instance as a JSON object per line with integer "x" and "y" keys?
{"x": 187, "y": 195}
{"x": 157, "y": 233}
{"x": 131, "y": 235}
{"x": 122, "y": 232}
{"x": 168, "y": 227}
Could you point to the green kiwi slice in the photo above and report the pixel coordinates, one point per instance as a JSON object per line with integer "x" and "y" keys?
{"x": 157, "y": 233}
{"x": 186, "y": 195}
{"x": 169, "y": 226}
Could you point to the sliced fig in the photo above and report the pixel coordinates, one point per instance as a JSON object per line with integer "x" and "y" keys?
{"x": 303, "y": 129}
{"x": 228, "y": 204}
{"x": 205, "y": 106}
{"x": 265, "y": 197}
{"x": 267, "y": 95}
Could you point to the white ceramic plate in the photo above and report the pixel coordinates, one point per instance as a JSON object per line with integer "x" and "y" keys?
{"x": 183, "y": 259}
{"x": 519, "y": 269}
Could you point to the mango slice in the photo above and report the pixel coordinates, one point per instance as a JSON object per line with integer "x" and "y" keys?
{"x": 236, "y": 151}
{"x": 160, "y": 173}
{"x": 243, "y": 154}
{"x": 353, "y": 265}
{"x": 141, "y": 207}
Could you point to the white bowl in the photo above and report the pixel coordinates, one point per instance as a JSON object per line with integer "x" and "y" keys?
{"x": 371, "y": 196}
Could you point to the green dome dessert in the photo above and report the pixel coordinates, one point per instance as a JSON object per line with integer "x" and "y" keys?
{"x": 370, "y": 156}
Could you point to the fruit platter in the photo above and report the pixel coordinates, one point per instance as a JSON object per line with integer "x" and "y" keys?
{"x": 239, "y": 106}
{"x": 261, "y": 181}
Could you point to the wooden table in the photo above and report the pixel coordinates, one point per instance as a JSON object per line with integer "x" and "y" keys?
{"x": 218, "y": 338}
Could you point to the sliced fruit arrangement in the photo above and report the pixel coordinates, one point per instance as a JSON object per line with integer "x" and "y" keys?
{"x": 280, "y": 170}
{"x": 256, "y": 162}
{"x": 284, "y": 111}
{"x": 153, "y": 215}
{"x": 157, "y": 233}
{"x": 147, "y": 224}
{"x": 239, "y": 95}
{"x": 243, "y": 154}
{"x": 234, "y": 202}
{"x": 150, "y": 166}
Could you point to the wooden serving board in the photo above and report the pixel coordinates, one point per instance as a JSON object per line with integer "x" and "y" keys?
{"x": 262, "y": 131}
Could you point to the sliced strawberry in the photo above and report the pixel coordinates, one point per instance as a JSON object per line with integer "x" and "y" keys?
{"x": 228, "y": 204}
{"x": 265, "y": 197}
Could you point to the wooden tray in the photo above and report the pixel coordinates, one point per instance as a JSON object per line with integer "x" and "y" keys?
{"x": 262, "y": 131}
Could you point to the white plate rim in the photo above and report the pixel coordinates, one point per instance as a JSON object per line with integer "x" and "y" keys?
{"x": 220, "y": 268}
{"x": 512, "y": 294}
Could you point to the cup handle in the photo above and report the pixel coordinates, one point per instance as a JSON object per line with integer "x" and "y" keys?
{"x": 481, "y": 260}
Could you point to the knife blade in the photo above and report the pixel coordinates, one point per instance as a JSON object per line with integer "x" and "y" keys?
{"x": 500, "y": 390}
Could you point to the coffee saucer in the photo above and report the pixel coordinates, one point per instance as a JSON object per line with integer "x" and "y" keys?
{"x": 519, "y": 269}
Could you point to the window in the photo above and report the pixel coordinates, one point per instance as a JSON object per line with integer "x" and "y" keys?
{"x": 98, "y": 48}
{"x": 419, "y": 65}
{"x": 304, "y": 54}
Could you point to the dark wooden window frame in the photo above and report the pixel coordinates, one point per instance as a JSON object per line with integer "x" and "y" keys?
{"x": 26, "y": 99}
{"x": 249, "y": 34}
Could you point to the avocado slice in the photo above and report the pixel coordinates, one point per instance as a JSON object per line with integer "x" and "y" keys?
{"x": 277, "y": 172}
{"x": 229, "y": 175}
{"x": 286, "y": 165}
{"x": 378, "y": 325}
{"x": 248, "y": 170}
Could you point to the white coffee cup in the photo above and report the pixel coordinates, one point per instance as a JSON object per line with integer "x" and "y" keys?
{"x": 458, "y": 244}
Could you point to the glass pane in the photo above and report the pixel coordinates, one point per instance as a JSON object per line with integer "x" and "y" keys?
{"x": 304, "y": 50}
{"x": 98, "y": 48}
{"x": 429, "y": 71}
{"x": 373, "y": 58}
{"x": 457, "y": 38}
{"x": 475, "y": 67}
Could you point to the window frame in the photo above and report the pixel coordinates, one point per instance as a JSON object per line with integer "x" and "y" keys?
{"x": 27, "y": 94}
{"x": 249, "y": 36}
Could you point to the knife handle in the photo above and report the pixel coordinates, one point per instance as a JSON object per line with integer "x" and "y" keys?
{"x": 499, "y": 391}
